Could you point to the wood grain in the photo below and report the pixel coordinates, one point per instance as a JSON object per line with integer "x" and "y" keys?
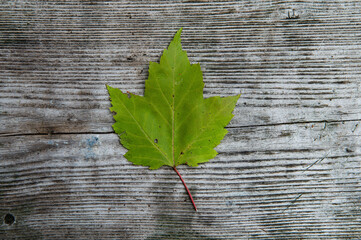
{"x": 288, "y": 169}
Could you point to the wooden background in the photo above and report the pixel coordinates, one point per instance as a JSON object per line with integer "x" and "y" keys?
{"x": 289, "y": 168}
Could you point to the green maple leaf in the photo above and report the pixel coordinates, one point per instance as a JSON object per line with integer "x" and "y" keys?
{"x": 172, "y": 124}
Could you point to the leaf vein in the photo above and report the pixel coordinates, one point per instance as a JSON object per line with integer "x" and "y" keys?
{"x": 145, "y": 134}
{"x": 201, "y": 132}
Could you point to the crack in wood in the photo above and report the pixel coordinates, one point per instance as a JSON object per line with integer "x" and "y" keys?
{"x": 229, "y": 127}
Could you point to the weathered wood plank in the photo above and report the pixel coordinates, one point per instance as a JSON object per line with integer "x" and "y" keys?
{"x": 287, "y": 181}
{"x": 57, "y": 57}
{"x": 288, "y": 169}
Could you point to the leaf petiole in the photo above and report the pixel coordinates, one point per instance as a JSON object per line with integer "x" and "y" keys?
{"x": 185, "y": 185}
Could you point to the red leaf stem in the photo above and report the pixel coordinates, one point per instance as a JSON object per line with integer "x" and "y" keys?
{"x": 185, "y": 185}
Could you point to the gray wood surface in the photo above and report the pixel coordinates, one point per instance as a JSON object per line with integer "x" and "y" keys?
{"x": 289, "y": 167}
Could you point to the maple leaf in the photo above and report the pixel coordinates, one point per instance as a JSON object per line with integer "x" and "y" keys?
{"x": 172, "y": 123}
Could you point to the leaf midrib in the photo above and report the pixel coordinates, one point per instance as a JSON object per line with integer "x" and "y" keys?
{"x": 173, "y": 110}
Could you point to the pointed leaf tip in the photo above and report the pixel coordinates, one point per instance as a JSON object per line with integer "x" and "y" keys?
{"x": 108, "y": 87}
{"x": 177, "y": 36}
{"x": 180, "y": 31}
